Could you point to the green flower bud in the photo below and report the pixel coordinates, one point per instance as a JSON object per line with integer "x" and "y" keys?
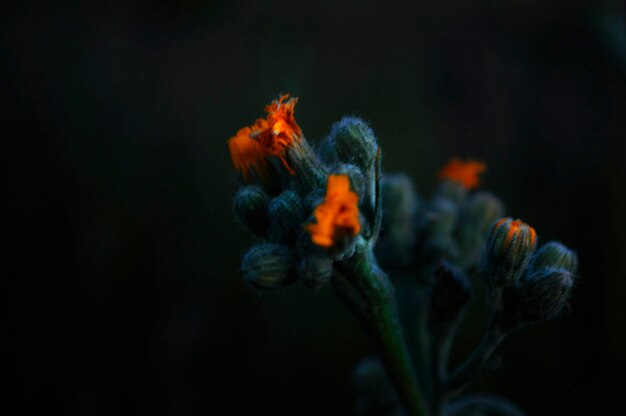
{"x": 396, "y": 242}
{"x": 327, "y": 152}
{"x": 269, "y": 267}
{"x": 309, "y": 171}
{"x": 286, "y": 215}
{"x": 251, "y": 208}
{"x": 354, "y": 142}
{"x": 369, "y": 375}
{"x": 315, "y": 270}
{"x": 540, "y": 297}
{"x": 437, "y": 238}
{"x": 452, "y": 191}
{"x": 478, "y": 214}
{"x": 556, "y": 256}
{"x": 313, "y": 199}
{"x": 442, "y": 216}
{"x": 375, "y": 391}
{"x": 357, "y": 179}
{"x": 510, "y": 247}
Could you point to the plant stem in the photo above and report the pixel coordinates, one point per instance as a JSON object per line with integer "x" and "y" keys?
{"x": 443, "y": 339}
{"x": 365, "y": 289}
{"x": 467, "y": 372}
{"x": 488, "y": 402}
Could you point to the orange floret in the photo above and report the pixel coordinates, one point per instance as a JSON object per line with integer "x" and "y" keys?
{"x": 464, "y": 172}
{"x": 515, "y": 229}
{"x": 338, "y": 215}
{"x": 248, "y": 155}
{"x": 271, "y": 136}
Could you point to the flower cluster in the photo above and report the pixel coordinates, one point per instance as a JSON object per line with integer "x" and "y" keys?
{"x": 329, "y": 216}
{"x": 309, "y": 208}
{"x": 437, "y": 250}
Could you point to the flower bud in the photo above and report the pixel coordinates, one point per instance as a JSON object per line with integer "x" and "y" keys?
{"x": 315, "y": 270}
{"x": 313, "y": 199}
{"x": 357, "y": 180}
{"x": 452, "y": 191}
{"x": 354, "y": 142}
{"x": 451, "y": 292}
{"x": 437, "y": 231}
{"x": 309, "y": 171}
{"x": 376, "y": 394}
{"x": 540, "y": 297}
{"x": 556, "y": 256}
{"x": 327, "y": 152}
{"x": 442, "y": 217}
{"x": 397, "y": 239}
{"x": 286, "y": 215}
{"x": 269, "y": 266}
{"x": 251, "y": 206}
{"x": 510, "y": 247}
{"x": 481, "y": 210}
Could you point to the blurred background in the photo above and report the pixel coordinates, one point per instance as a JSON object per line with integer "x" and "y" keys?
{"x": 123, "y": 293}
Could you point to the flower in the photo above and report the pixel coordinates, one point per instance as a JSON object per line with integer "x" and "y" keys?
{"x": 270, "y": 136}
{"x": 338, "y": 215}
{"x": 463, "y": 172}
{"x": 516, "y": 229}
{"x": 510, "y": 247}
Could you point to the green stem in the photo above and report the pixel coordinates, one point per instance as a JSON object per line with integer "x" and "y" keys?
{"x": 421, "y": 335}
{"x": 467, "y": 372}
{"x": 442, "y": 344}
{"x": 471, "y": 368}
{"x": 484, "y": 402}
{"x": 365, "y": 289}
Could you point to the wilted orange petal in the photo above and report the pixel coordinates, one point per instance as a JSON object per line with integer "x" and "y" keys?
{"x": 247, "y": 155}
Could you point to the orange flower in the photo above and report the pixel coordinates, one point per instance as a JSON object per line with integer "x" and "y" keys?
{"x": 464, "y": 172}
{"x": 338, "y": 215}
{"x": 515, "y": 228}
{"x": 270, "y": 136}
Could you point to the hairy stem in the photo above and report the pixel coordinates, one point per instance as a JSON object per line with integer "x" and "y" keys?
{"x": 467, "y": 372}
{"x": 365, "y": 289}
{"x": 484, "y": 402}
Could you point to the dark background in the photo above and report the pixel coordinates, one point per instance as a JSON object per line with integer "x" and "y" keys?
{"x": 123, "y": 294}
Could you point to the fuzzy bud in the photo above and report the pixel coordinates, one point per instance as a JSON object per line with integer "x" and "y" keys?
{"x": 556, "y": 256}
{"x": 327, "y": 152}
{"x": 251, "y": 208}
{"x": 309, "y": 170}
{"x": 510, "y": 247}
{"x": 481, "y": 210}
{"x": 269, "y": 266}
{"x": 376, "y": 394}
{"x": 357, "y": 179}
{"x": 397, "y": 239}
{"x": 452, "y": 191}
{"x": 437, "y": 230}
{"x": 315, "y": 270}
{"x": 286, "y": 215}
{"x": 540, "y": 297}
{"x": 354, "y": 142}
